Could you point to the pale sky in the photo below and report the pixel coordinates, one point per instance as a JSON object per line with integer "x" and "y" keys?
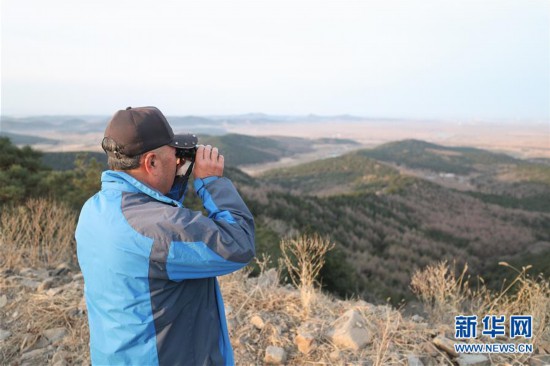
{"x": 460, "y": 59}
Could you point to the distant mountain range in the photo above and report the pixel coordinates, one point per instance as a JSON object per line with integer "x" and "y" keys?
{"x": 213, "y": 125}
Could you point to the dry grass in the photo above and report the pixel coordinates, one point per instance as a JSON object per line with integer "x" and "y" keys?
{"x": 442, "y": 293}
{"x": 281, "y": 309}
{"x": 445, "y": 296}
{"x": 525, "y": 295}
{"x": 39, "y": 233}
{"x": 260, "y": 312}
{"x": 394, "y": 336}
{"x": 30, "y": 312}
{"x": 304, "y": 258}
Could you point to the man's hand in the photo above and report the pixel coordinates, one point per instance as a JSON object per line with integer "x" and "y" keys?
{"x": 208, "y": 162}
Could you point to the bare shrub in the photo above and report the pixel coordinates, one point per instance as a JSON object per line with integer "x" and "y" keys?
{"x": 263, "y": 262}
{"x": 441, "y": 292}
{"x": 389, "y": 323}
{"x": 304, "y": 258}
{"x": 525, "y": 295}
{"x": 39, "y": 233}
{"x": 445, "y": 296}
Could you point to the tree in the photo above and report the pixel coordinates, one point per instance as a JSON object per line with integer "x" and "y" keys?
{"x": 21, "y": 172}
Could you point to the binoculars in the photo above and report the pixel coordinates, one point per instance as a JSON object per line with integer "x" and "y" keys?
{"x": 186, "y": 146}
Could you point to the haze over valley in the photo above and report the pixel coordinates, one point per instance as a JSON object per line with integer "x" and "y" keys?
{"x": 524, "y": 139}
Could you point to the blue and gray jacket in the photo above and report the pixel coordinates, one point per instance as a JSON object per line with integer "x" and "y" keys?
{"x": 150, "y": 268}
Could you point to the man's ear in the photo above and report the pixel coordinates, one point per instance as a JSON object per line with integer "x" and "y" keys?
{"x": 149, "y": 161}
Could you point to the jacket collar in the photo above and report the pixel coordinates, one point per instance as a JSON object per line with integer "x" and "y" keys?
{"x": 111, "y": 179}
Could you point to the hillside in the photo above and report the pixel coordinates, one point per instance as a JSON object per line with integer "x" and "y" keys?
{"x": 243, "y": 149}
{"x": 353, "y": 172}
{"x": 491, "y": 177}
{"x": 391, "y": 231}
{"x": 404, "y": 231}
{"x": 424, "y": 155}
{"x": 19, "y": 139}
{"x": 44, "y": 321}
{"x": 63, "y": 161}
{"x": 384, "y": 219}
{"x": 494, "y": 178}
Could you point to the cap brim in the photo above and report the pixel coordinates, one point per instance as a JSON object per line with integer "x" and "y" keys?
{"x": 184, "y": 141}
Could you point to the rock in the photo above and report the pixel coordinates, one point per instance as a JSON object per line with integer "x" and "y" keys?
{"x": 42, "y": 273}
{"x": 257, "y": 321}
{"x": 544, "y": 347}
{"x": 45, "y": 285}
{"x": 349, "y": 331}
{"x": 60, "y": 358}
{"x": 241, "y": 341}
{"x": 304, "y": 341}
{"x": 60, "y": 363}
{"x": 429, "y": 361}
{"x": 3, "y": 301}
{"x": 445, "y": 344}
{"x": 73, "y": 285}
{"x": 269, "y": 278}
{"x": 335, "y": 355}
{"x": 32, "y": 341}
{"x": 231, "y": 324}
{"x": 430, "y": 349}
{"x": 473, "y": 360}
{"x": 54, "y": 291}
{"x": 417, "y": 318}
{"x": 39, "y": 352}
{"x": 78, "y": 277}
{"x": 27, "y": 272}
{"x": 276, "y": 330}
{"x": 275, "y": 355}
{"x": 539, "y": 360}
{"x": 61, "y": 269}
{"x": 30, "y": 283}
{"x": 413, "y": 360}
{"x": 6, "y": 272}
{"x": 4, "y": 334}
{"x": 54, "y": 334}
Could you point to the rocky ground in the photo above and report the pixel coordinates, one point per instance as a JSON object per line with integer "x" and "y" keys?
{"x": 43, "y": 322}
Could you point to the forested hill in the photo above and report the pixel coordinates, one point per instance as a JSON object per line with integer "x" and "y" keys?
{"x": 493, "y": 178}
{"x": 390, "y": 219}
{"x": 387, "y": 219}
{"x": 424, "y": 155}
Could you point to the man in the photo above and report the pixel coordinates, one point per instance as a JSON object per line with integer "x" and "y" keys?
{"x": 149, "y": 264}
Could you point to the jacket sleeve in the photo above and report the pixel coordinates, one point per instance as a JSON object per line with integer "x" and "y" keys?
{"x": 215, "y": 245}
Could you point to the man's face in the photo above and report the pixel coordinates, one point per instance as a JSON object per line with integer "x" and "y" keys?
{"x": 168, "y": 164}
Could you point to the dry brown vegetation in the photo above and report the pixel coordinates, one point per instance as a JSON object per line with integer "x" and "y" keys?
{"x": 39, "y": 233}
{"x": 304, "y": 258}
{"x": 42, "y": 308}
